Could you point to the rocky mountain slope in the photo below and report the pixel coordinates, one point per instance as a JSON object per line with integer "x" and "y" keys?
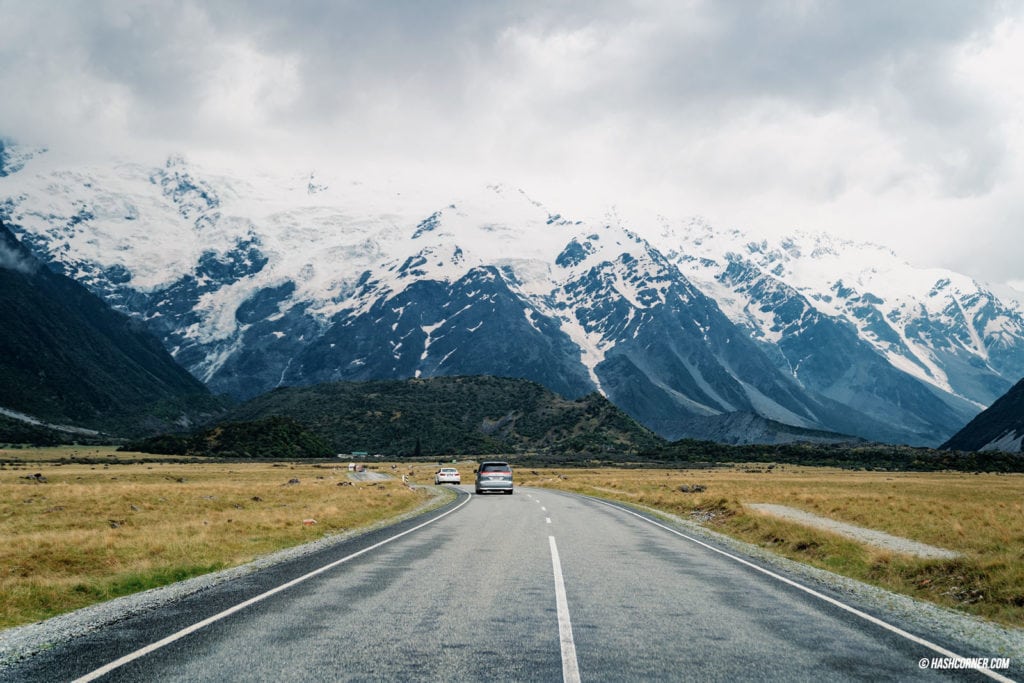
{"x": 68, "y": 358}
{"x": 999, "y": 428}
{"x": 256, "y": 280}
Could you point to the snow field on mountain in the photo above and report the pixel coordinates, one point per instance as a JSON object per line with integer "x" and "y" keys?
{"x": 246, "y": 265}
{"x": 840, "y": 278}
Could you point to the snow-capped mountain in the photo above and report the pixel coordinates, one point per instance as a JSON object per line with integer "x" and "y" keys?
{"x": 860, "y": 325}
{"x": 259, "y": 280}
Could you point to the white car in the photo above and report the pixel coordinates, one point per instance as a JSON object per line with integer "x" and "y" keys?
{"x": 447, "y": 475}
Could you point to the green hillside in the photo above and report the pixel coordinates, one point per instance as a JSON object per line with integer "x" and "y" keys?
{"x": 273, "y": 437}
{"x": 451, "y": 416}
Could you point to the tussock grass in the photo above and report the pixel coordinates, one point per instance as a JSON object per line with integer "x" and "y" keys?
{"x": 91, "y": 532}
{"x": 980, "y": 516}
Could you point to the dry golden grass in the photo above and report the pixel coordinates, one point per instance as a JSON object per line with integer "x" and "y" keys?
{"x": 98, "y": 530}
{"x": 13, "y": 456}
{"x": 95, "y": 531}
{"x": 980, "y": 516}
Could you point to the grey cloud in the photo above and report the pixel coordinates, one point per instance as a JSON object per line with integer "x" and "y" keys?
{"x": 889, "y": 61}
{"x": 11, "y": 260}
{"x": 816, "y": 52}
{"x": 644, "y": 85}
{"x": 149, "y": 63}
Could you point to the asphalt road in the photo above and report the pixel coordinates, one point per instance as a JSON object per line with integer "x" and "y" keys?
{"x": 536, "y": 586}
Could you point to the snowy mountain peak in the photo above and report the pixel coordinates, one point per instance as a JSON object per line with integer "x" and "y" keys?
{"x": 256, "y": 279}
{"x": 14, "y": 157}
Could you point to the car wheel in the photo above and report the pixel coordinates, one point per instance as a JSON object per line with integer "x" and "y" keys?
{"x": 478, "y": 492}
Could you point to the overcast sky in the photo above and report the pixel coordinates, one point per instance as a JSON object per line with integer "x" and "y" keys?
{"x": 896, "y": 122}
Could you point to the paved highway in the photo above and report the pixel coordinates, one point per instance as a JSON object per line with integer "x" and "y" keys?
{"x": 539, "y": 586}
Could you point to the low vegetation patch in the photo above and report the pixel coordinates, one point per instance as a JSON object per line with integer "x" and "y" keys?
{"x": 980, "y": 516}
{"x": 74, "y": 533}
{"x": 871, "y": 456}
{"x": 273, "y": 437}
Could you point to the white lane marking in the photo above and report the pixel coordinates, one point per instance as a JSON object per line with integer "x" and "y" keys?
{"x": 570, "y": 667}
{"x": 548, "y": 520}
{"x": 821, "y": 596}
{"x": 132, "y": 656}
{"x": 543, "y": 509}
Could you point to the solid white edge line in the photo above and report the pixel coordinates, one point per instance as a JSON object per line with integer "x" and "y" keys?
{"x": 570, "y": 667}
{"x": 152, "y": 647}
{"x": 821, "y": 596}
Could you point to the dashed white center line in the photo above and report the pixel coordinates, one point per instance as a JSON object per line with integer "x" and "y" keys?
{"x": 543, "y": 509}
{"x": 548, "y": 520}
{"x": 570, "y": 667}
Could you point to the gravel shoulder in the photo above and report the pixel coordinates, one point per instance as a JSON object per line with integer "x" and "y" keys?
{"x": 878, "y": 539}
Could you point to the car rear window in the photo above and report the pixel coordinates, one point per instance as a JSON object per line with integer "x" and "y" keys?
{"x": 495, "y": 467}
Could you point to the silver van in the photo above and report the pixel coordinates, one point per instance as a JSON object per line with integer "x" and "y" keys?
{"x": 494, "y": 476}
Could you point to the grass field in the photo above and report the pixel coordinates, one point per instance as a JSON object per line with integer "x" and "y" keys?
{"x": 82, "y": 533}
{"x": 980, "y": 516}
{"x": 99, "y": 527}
